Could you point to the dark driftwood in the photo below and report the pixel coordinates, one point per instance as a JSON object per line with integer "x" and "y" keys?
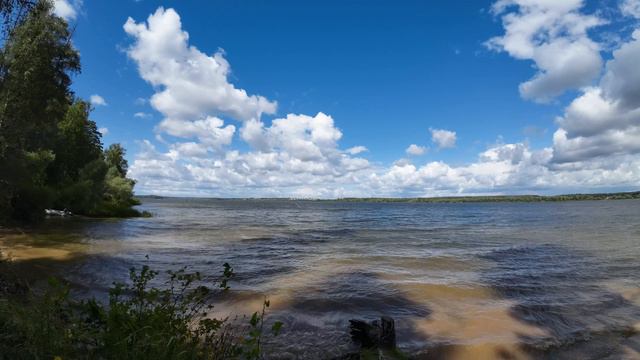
{"x": 387, "y": 333}
{"x": 377, "y": 334}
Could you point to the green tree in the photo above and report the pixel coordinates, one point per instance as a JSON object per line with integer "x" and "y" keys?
{"x": 36, "y": 64}
{"x": 50, "y": 150}
{"x": 79, "y": 143}
{"x": 78, "y": 172}
{"x": 114, "y": 156}
{"x": 118, "y": 190}
{"x": 13, "y": 12}
{"x": 35, "y": 91}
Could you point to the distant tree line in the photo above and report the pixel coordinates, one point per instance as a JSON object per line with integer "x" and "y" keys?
{"x": 51, "y": 153}
{"x": 505, "y": 198}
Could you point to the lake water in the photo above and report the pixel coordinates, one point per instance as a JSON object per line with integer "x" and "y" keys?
{"x": 462, "y": 281}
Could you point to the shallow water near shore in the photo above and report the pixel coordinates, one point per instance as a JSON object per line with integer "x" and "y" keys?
{"x": 462, "y": 281}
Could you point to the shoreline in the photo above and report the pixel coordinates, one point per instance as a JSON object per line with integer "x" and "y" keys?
{"x": 630, "y": 195}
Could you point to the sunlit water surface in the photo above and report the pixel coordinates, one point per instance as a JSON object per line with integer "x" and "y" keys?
{"x": 466, "y": 281}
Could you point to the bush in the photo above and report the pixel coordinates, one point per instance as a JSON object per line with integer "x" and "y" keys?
{"x": 139, "y": 322}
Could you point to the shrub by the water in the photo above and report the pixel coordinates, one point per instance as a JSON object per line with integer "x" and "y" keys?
{"x": 140, "y": 321}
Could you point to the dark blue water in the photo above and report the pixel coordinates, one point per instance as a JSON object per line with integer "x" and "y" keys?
{"x": 468, "y": 280}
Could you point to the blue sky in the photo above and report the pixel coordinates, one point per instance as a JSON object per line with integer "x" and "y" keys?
{"x": 495, "y": 96}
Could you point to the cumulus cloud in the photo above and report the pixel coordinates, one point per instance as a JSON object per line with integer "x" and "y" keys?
{"x": 356, "y": 150}
{"x": 502, "y": 168}
{"x": 103, "y": 130}
{"x": 553, "y": 34}
{"x": 65, "y": 9}
{"x": 505, "y": 168}
{"x": 188, "y": 150}
{"x": 604, "y": 120}
{"x": 299, "y": 155}
{"x": 443, "y": 138}
{"x": 97, "y": 100}
{"x": 415, "y": 150}
{"x": 630, "y": 8}
{"x": 210, "y": 131}
{"x": 190, "y": 84}
{"x": 289, "y": 157}
{"x": 621, "y": 81}
{"x": 607, "y": 143}
{"x": 188, "y": 168}
{"x": 293, "y": 151}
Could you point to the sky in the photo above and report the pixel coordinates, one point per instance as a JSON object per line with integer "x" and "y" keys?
{"x": 329, "y": 99}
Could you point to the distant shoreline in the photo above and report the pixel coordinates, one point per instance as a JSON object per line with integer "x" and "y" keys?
{"x": 444, "y": 199}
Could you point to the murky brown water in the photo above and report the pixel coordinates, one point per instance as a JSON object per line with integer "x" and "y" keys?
{"x": 462, "y": 281}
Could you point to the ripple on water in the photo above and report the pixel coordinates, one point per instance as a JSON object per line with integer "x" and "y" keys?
{"x": 463, "y": 281}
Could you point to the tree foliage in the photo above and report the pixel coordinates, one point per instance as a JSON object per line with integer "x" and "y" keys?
{"x": 13, "y": 12}
{"x": 78, "y": 143}
{"x": 35, "y": 90}
{"x": 114, "y": 155}
{"x": 50, "y": 150}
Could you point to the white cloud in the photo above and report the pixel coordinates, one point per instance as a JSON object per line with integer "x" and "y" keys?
{"x": 630, "y": 8}
{"x": 65, "y": 9}
{"x": 103, "y": 130}
{"x": 443, "y": 138}
{"x": 97, "y": 100}
{"x": 210, "y": 131}
{"x": 302, "y": 136}
{"x": 604, "y": 120}
{"x": 305, "y": 137}
{"x": 415, "y": 150}
{"x": 190, "y": 84}
{"x": 553, "y": 34}
{"x": 608, "y": 143}
{"x": 621, "y": 80}
{"x": 298, "y": 155}
{"x": 189, "y": 150}
{"x": 155, "y": 169}
{"x": 142, "y": 115}
{"x": 503, "y": 168}
{"x": 356, "y": 150}
{"x": 293, "y": 153}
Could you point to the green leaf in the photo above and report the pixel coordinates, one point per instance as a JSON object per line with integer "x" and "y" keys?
{"x": 275, "y": 328}
{"x": 254, "y": 319}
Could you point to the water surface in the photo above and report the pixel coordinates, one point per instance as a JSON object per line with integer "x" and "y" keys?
{"x": 467, "y": 280}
